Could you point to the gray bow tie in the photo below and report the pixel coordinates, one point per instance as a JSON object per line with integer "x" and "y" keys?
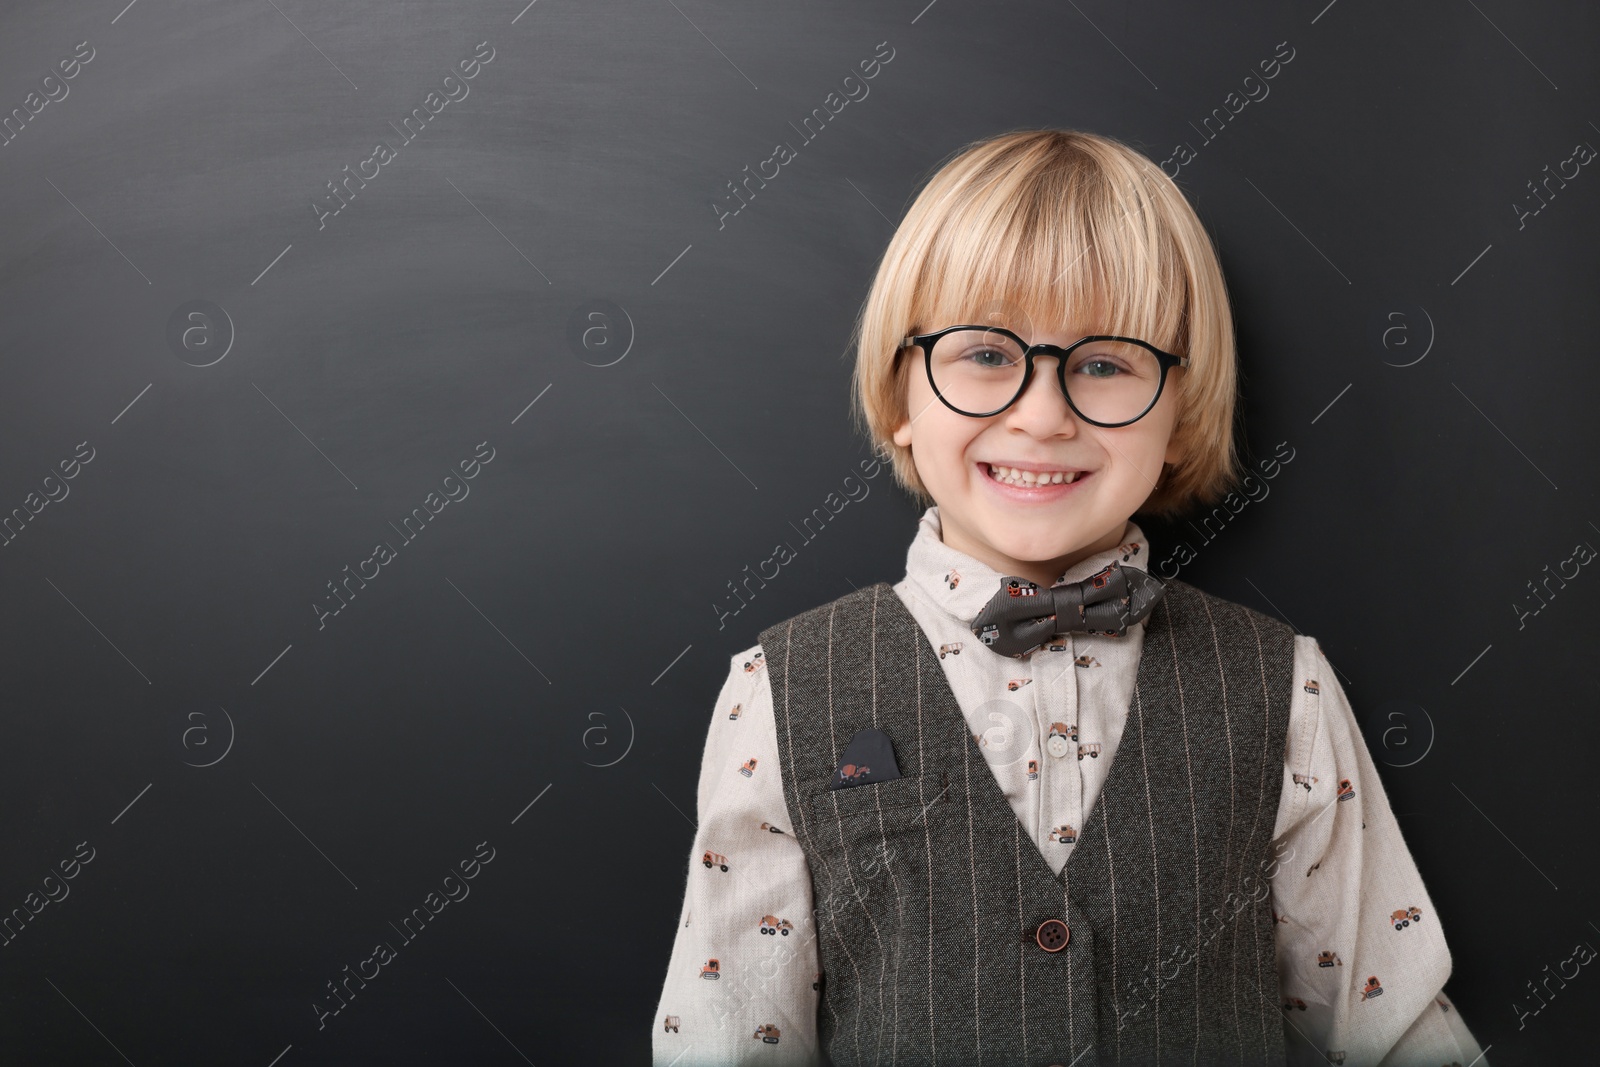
{"x": 1022, "y": 616}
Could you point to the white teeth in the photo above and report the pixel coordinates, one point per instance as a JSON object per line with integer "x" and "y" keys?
{"x": 1013, "y": 476}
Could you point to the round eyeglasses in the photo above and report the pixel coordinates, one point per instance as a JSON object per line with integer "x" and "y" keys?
{"x": 981, "y": 370}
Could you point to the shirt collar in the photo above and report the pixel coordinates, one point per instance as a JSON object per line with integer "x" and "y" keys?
{"x": 932, "y": 566}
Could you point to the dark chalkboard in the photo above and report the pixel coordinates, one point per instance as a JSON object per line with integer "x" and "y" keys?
{"x": 392, "y": 391}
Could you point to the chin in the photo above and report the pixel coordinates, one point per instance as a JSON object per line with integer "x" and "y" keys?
{"x": 1033, "y": 551}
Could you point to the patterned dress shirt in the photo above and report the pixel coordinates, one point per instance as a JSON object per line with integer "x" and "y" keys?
{"x": 1361, "y": 958}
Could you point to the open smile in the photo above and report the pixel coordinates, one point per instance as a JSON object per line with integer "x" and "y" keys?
{"x": 1032, "y": 487}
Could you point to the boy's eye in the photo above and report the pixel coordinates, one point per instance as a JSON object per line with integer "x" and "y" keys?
{"x": 1098, "y": 368}
{"x": 993, "y": 357}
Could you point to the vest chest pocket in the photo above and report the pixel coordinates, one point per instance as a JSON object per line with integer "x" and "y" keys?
{"x": 905, "y": 798}
{"x": 869, "y": 850}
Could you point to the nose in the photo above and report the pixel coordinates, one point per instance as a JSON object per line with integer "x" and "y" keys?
{"x": 1043, "y": 405}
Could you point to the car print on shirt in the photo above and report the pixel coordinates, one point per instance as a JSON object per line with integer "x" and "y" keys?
{"x": 1347, "y": 792}
{"x": 1129, "y": 551}
{"x": 951, "y": 649}
{"x": 1066, "y": 730}
{"x": 1086, "y": 660}
{"x": 771, "y": 924}
{"x": 748, "y": 768}
{"x": 714, "y": 859}
{"x": 712, "y": 969}
{"x": 1109, "y": 633}
{"x": 1017, "y": 683}
{"x": 1312, "y": 687}
{"x": 1305, "y": 780}
{"x": 768, "y": 826}
{"x": 756, "y": 663}
{"x": 1405, "y": 917}
{"x": 1017, "y": 588}
{"x": 953, "y": 578}
{"x": 669, "y": 1025}
{"x": 1329, "y": 958}
{"x": 1092, "y": 750}
{"x": 1372, "y": 988}
{"x": 737, "y": 708}
{"x": 1063, "y": 835}
{"x": 1033, "y": 770}
{"x": 767, "y": 1033}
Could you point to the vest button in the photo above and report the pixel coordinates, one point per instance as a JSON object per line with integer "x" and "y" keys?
{"x": 1057, "y": 746}
{"x": 1052, "y": 935}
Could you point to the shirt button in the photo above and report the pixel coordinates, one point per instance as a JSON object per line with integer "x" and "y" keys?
{"x": 1057, "y": 746}
{"x": 1052, "y": 935}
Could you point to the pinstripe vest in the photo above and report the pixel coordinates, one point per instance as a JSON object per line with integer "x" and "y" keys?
{"x": 929, "y": 895}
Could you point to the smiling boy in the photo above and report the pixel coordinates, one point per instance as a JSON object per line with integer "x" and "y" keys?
{"x": 1031, "y": 800}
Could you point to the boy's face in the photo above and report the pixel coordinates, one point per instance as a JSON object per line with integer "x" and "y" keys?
{"x": 1035, "y": 534}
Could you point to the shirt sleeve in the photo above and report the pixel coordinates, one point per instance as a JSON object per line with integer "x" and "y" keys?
{"x": 742, "y": 985}
{"x": 1362, "y": 961}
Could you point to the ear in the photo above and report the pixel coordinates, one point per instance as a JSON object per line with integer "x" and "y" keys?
{"x": 902, "y": 434}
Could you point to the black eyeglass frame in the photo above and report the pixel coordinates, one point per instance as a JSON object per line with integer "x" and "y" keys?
{"x": 925, "y": 341}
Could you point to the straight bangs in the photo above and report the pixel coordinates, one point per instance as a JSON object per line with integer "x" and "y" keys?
{"x": 1078, "y": 254}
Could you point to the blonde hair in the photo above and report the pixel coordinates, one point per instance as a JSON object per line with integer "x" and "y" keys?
{"x": 1057, "y": 226}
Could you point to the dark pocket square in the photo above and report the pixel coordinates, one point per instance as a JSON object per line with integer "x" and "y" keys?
{"x": 868, "y": 758}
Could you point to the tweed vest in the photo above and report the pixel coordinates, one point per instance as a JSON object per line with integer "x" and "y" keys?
{"x": 933, "y": 905}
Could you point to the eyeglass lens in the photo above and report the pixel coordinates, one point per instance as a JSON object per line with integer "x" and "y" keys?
{"x": 979, "y": 371}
